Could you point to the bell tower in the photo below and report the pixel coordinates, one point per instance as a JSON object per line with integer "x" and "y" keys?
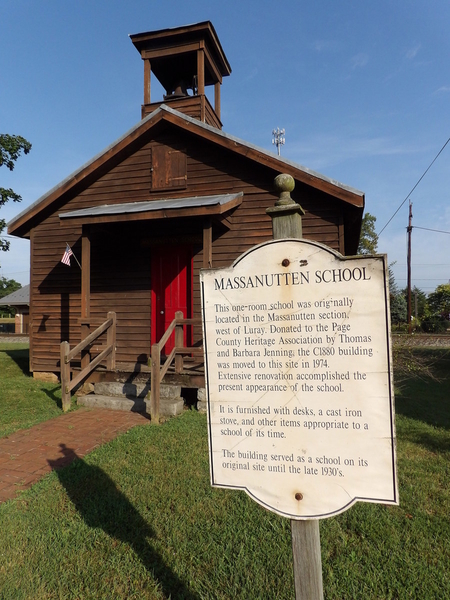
{"x": 185, "y": 60}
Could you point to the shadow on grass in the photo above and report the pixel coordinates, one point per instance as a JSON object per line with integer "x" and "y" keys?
{"x": 53, "y": 396}
{"x": 101, "y": 505}
{"x": 425, "y": 400}
{"x": 21, "y": 358}
{"x": 430, "y": 441}
{"x": 424, "y": 395}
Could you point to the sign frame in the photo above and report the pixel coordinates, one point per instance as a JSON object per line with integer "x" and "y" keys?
{"x": 283, "y": 248}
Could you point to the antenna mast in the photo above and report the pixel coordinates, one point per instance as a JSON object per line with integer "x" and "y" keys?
{"x": 278, "y": 139}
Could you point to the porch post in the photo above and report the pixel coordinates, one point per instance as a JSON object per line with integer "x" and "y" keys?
{"x": 201, "y": 71}
{"x": 147, "y": 80}
{"x": 201, "y": 82}
{"x": 85, "y": 290}
{"x": 111, "y": 341}
{"x": 155, "y": 384}
{"x": 65, "y": 376}
{"x": 217, "y": 98}
{"x": 179, "y": 342}
{"x": 207, "y": 244}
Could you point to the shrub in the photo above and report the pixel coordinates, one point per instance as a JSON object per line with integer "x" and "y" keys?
{"x": 435, "y": 325}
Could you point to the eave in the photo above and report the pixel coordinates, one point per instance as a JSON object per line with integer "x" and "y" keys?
{"x": 22, "y": 224}
{"x": 198, "y": 206}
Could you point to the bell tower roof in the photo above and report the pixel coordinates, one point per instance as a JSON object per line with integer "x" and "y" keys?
{"x": 184, "y": 58}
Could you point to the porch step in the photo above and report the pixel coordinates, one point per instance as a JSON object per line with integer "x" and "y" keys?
{"x": 171, "y": 408}
{"x": 135, "y": 390}
{"x": 133, "y": 397}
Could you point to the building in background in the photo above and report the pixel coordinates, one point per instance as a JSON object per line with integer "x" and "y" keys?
{"x": 19, "y": 301}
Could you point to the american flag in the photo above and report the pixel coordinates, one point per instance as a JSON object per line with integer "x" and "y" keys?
{"x": 66, "y": 256}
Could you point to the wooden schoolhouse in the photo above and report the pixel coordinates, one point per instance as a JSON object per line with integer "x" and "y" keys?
{"x": 173, "y": 195}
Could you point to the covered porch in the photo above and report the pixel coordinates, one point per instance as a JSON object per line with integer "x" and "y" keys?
{"x": 140, "y": 262}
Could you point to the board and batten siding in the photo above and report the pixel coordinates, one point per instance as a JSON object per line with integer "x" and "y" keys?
{"x": 121, "y": 253}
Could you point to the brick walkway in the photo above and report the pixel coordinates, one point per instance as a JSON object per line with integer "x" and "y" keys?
{"x": 27, "y": 455}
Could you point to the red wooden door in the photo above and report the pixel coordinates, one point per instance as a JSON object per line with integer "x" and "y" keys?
{"x": 171, "y": 289}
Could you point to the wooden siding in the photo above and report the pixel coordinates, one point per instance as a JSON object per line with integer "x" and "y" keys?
{"x": 121, "y": 253}
{"x": 197, "y": 107}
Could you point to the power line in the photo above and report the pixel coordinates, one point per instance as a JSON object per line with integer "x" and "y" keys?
{"x": 426, "y": 229}
{"x": 426, "y": 171}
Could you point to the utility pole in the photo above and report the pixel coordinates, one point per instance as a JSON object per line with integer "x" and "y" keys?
{"x": 409, "y": 230}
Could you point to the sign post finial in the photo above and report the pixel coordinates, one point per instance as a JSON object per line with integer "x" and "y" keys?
{"x": 286, "y": 215}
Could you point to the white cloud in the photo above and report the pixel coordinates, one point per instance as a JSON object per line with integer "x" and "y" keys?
{"x": 359, "y": 60}
{"x": 412, "y": 52}
{"x": 443, "y": 90}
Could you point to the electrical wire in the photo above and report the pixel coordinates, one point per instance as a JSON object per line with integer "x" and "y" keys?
{"x": 426, "y": 171}
{"x": 426, "y": 229}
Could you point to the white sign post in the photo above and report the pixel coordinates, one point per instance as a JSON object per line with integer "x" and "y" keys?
{"x": 298, "y": 370}
{"x": 299, "y": 381}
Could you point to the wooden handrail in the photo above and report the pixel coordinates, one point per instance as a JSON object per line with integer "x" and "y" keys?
{"x": 66, "y": 355}
{"x": 195, "y": 350}
{"x": 167, "y": 364}
{"x": 89, "y": 340}
{"x": 158, "y": 372}
{"x": 166, "y": 336}
{"x": 93, "y": 363}
{"x": 192, "y": 321}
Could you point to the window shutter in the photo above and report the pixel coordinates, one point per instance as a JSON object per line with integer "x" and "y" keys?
{"x": 178, "y": 168}
{"x": 169, "y": 168}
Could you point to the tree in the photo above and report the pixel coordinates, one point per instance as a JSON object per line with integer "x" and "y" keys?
{"x": 368, "y": 240}
{"x": 422, "y": 303}
{"x": 397, "y": 300}
{"x": 439, "y": 301}
{"x": 398, "y": 309}
{"x": 11, "y": 147}
{"x": 393, "y": 288}
{"x": 7, "y": 286}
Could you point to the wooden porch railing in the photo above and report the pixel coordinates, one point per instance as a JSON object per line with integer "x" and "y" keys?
{"x": 178, "y": 352}
{"x": 109, "y": 352}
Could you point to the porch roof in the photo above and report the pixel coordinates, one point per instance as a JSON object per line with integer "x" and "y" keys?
{"x": 156, "y": 209}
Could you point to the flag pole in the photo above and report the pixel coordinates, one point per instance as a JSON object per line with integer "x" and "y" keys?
{"x": 73, "y": 254}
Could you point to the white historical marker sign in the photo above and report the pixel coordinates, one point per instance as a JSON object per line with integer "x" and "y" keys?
{"x": 298, "y": 378}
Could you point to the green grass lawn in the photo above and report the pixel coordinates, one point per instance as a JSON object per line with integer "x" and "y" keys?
{"x": 24, "y": 401}
{"x": 138, "y": 519}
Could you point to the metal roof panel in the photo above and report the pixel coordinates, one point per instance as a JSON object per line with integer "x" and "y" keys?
{"x": 151, "y": 205}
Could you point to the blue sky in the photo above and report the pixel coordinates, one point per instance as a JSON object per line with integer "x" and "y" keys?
{"x": 361, "y": 88}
